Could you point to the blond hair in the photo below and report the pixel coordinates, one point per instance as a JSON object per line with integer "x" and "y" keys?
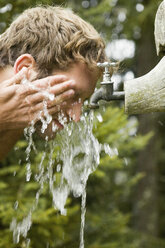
{"x": 54, "y": 36}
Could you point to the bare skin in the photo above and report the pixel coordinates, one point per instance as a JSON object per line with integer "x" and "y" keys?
{"x": 84, "y": 85}
{"x": 21, "y": 104}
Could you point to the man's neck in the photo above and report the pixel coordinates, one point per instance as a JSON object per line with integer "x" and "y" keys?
{"x": 7, "y": 141}
{"x": 6, "y": 73}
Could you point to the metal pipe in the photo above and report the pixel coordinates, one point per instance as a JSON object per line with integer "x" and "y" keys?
{"x": 106, "y": 92}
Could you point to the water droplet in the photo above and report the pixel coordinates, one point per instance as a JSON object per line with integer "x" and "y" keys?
{"x": 139, "y": 7}
{"x": 85, "y": 4}
{"x": 14, "y": 173}
{"x": 48, "y": 95}
{"x": 110, "y": 151}
{"x": 16, "y": 205}
{"x": 28, "y": 172}
{"x": 58, "y": 168}
{"x": 27, "y": 243}
{"x": 161, "y": 123}
{"x": 126, "y": 161}
{"x": 99, "y": 117}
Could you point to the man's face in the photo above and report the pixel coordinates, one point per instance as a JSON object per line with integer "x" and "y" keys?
{"x": 84, "y": 83}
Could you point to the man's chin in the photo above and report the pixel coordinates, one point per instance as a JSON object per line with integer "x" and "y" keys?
{"x": 51, "y": 130}
{"x": 58, "y": 124}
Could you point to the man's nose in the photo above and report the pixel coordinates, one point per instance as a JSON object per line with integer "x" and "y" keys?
{"x": 74, "y": 112}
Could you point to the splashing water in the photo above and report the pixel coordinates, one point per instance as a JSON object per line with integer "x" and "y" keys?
{"x": 78, "y": 156}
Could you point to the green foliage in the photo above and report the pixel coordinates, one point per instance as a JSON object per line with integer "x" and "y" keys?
{"x": 110, "y": 190}
{"x": 108, "y": 193}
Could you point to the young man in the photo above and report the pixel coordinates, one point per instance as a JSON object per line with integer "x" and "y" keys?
{"x": 47, "y": 41}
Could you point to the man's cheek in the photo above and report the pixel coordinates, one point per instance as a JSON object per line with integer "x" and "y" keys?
{"x": 49, "y": 132}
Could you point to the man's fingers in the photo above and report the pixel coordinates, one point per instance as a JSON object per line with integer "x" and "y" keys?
{"x": 36, "y": 98}
{"x": 37, "y": 111}
{"x": 56, "y": 90}
{"x": 53, "y": 106}
{"x": 25, "y": 90}
{"x": 61, "y": 98}
{"x": 56, "y": 102}
{"x": 61, "y": 88}
{"x": 18, "y": 90}
{"x": 54, "y": 110}
{"x": 17, "y": 79}
{"x": 47, "y": 82}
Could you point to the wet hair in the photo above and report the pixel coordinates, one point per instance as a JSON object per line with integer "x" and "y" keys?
{"x": 54, "y": 36}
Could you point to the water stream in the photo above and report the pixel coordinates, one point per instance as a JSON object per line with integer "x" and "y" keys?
{"x": 78, "y": 155}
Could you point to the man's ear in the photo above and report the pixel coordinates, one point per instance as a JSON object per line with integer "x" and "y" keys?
{"x": 26, "y": 60}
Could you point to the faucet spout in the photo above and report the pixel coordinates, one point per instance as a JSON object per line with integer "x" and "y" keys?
{"x": 105, "y": 93}
{"x": 95, "y": 98}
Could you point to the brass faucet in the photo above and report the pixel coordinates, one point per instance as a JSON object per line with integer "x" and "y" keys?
{"x": 106, "y": 92}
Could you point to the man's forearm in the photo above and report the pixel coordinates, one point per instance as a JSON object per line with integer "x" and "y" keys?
{"x": 8, "y": 139}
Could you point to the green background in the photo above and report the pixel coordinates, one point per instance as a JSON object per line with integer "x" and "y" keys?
{"x": 125, "y": 196}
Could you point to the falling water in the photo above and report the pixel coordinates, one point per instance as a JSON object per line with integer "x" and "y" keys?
{"x": 83, "y": 211}
{"x": 78, "y": 156}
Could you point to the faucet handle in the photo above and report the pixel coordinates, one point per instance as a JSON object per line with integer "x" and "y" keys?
{"x": 106, "y": 74}
{"x": 107, "y": 64}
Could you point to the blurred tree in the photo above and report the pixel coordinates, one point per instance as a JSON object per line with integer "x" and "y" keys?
{"x": 111, "y": 189}
{"x": 134, "y": 20}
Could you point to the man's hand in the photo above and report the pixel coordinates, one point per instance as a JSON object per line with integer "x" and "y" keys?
{"x": 22, "y": 103}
